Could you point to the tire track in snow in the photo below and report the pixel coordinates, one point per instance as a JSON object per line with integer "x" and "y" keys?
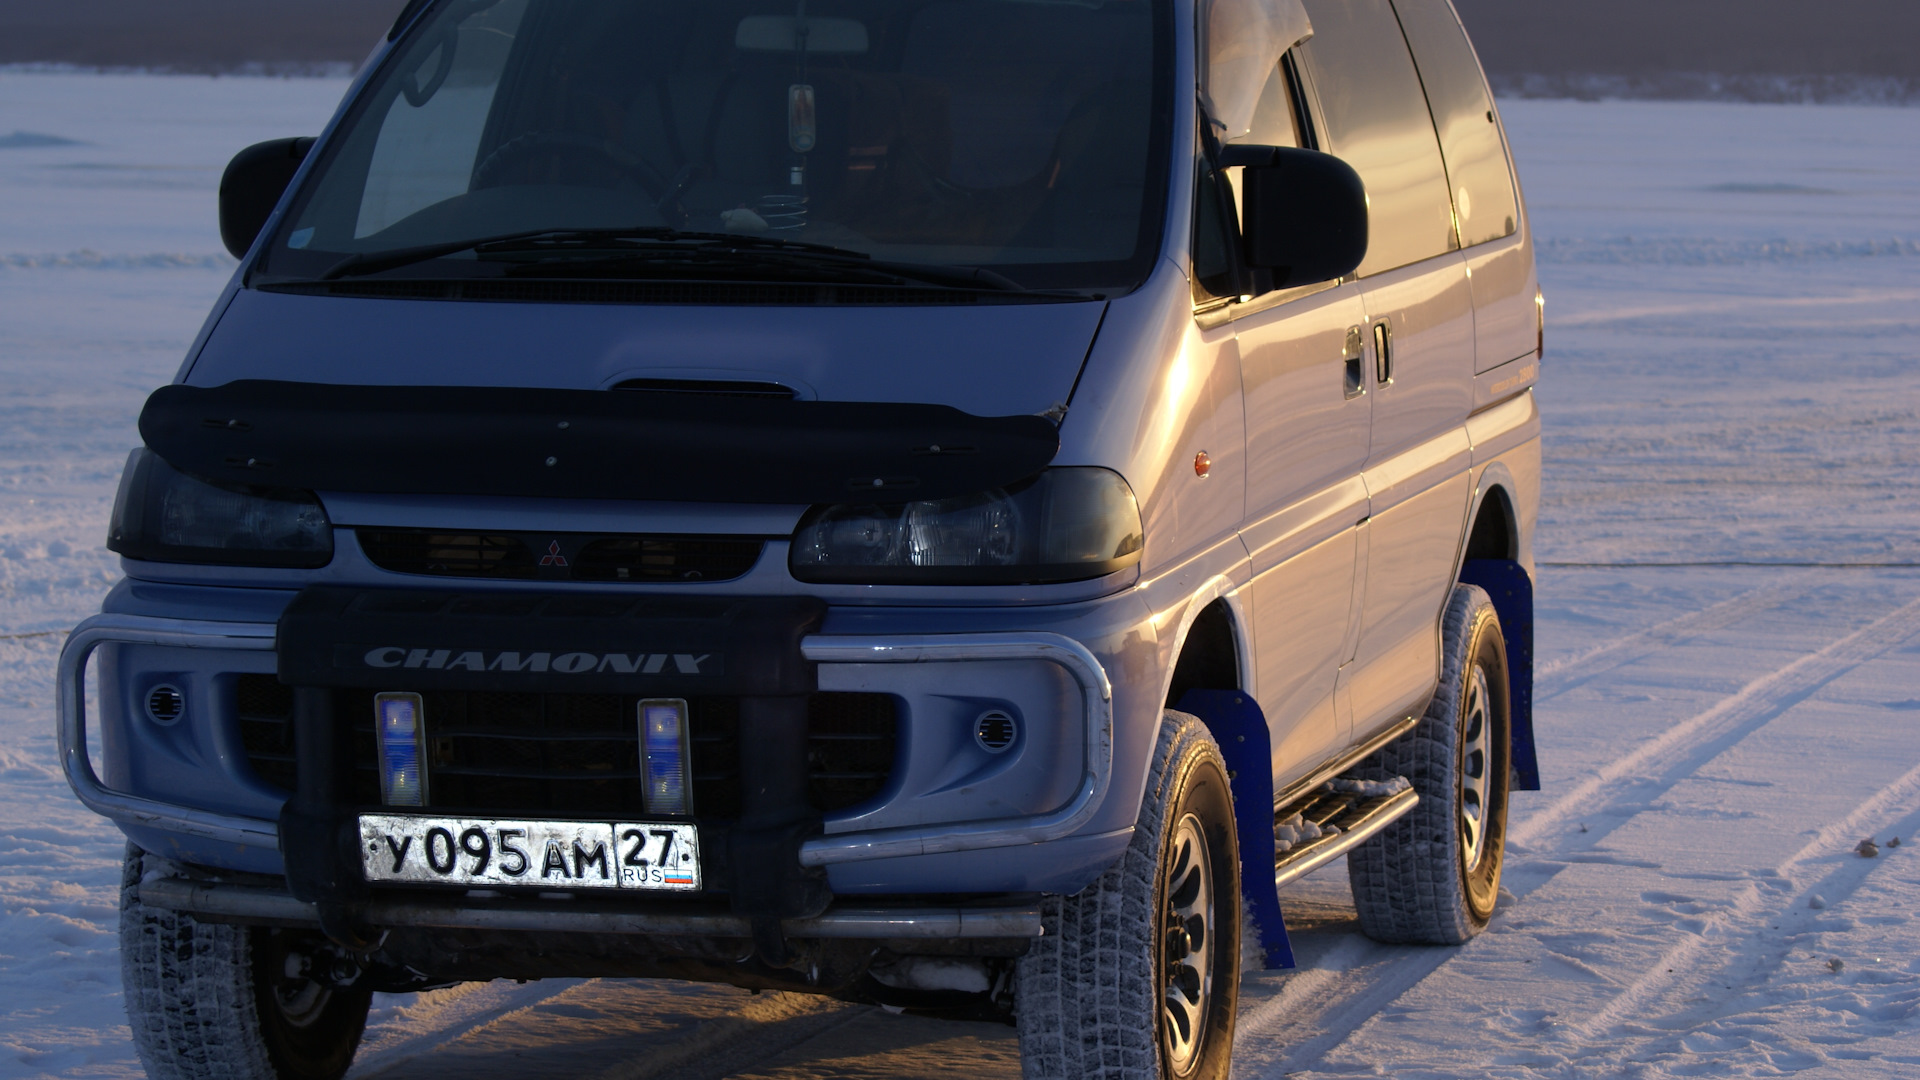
{"x": 1327, "y": 1012}
{"x": 1559, "y": 676}
{"x": 1757, "y": 910}
{"x": 765, "y": 1028}
{"x": 442, "y": 1017}
{"x": 1317, "y": 1009}
{"x": 759, "y": 1031}
{"x": 1691, "y": 743}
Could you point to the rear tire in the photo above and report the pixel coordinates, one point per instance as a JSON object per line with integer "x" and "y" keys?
{"x": 1138, "y": 976}
{"x": 213, "y": 1002}
{"x": 1433, "y": 877}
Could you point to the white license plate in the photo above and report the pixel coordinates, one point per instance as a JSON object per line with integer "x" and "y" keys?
{"x": 479, "y": 853}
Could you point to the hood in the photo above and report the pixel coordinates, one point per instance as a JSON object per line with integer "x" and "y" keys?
{"x": 985, "y": 359}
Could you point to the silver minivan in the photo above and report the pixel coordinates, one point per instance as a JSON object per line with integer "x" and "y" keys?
{"x": 948, "y": 504}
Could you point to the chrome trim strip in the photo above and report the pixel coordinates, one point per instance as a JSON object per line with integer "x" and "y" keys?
{"x": 1096, "y": 775}
{"x": 131, "y": 809}
{"x": 277, "y": 907}
{"x": 1321, "y": 852}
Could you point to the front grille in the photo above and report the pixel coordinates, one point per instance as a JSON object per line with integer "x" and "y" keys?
{"x": 560, "y": 556}
{"x": 265, "y": 710}
{"x": 575, "y": 754}
{"x": 658, "y": 558}
{"x": 408, "y": 551}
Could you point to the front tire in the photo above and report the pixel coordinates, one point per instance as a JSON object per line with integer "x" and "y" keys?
{"x": 213, "y": 1002}
{"x": 1138, "y": 976}
{"x": 1433, "y": 877}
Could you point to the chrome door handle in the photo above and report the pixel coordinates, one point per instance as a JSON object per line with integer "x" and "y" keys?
{"x": 1383, "y": 352}
{"x": 1356, "y": 355}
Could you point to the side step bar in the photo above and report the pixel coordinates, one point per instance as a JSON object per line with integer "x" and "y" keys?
{"x": 1333, "y": 820}
{"x": 244, "y": 903}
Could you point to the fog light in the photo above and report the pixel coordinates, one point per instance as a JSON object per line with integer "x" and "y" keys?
{"x": 663, "y": 748}
{"x": 400, "y": 723}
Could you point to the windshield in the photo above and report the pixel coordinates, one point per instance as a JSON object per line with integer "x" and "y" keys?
{"x": 1024, "y": 137}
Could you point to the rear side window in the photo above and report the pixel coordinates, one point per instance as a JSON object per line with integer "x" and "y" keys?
{"x": 1462, "y": 110}
{"x": 1377, "y": 120}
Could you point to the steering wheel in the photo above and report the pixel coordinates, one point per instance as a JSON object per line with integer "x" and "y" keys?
{"x": 629, "y": 164}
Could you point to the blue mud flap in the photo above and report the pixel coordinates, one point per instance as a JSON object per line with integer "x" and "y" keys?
{"x": 1240, "y": 728}
{"x": 1507, "y": 583}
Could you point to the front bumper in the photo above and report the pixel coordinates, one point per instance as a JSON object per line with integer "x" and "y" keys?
{"x": 262, "y": 906}
{"x": 834, "y": 652}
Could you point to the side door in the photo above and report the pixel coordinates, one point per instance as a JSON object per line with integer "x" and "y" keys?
{"x": 1420, "y": 334}
{"x": 1305, "y": 386}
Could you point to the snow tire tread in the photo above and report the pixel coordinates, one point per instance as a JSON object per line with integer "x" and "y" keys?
{"x": 1084, "y": 987}
{"x": 189, "y": 991}
{"x": 1406, "y": 881}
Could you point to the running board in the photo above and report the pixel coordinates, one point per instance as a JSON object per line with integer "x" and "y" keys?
{"x": 1333, "y": 820}
{"x": 1344, "y": 763}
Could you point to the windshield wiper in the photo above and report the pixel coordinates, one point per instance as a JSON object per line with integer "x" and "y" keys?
{"x": 809, "y": 261}
{"x": 376, "y": 262}
{"x": 655, "y": 244}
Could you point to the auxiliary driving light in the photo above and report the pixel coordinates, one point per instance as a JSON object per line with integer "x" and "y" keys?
{"x": 663, "y": 748}
{"x": 400, "y": 723}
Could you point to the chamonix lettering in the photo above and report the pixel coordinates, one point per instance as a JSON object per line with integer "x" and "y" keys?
{"x": 572, "y": 663}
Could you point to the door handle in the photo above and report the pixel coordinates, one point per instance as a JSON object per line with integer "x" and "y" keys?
{"x": 1383, "y": 352}
{"x": 1356, "y": 356}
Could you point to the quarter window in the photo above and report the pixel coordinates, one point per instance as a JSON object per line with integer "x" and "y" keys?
{"x": 1483, "y": 196}
{"x": 1377, "y": 120}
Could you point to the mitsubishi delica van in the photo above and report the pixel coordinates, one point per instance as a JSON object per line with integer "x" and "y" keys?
{"x": 948, "y": 504}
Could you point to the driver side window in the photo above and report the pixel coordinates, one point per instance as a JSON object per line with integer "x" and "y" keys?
{"x": 1278, "y": 120}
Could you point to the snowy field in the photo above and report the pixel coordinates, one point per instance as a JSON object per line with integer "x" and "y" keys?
{"x": 1734, "y": 294}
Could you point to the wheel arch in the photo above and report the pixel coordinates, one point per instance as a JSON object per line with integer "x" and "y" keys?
{"x": 1213, "y": 650}
{"x": 1212, "y": 678}
{"x": 1491, "y": 558}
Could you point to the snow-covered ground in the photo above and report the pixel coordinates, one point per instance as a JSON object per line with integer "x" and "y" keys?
{"x": 1734, "y": 296}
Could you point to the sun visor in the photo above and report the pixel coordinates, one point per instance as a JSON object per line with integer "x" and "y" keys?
{"x": 1241, "y": 43}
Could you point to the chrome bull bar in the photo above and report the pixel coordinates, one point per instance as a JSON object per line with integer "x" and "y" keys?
{"x": 1079, "y": 662}
{"x": 118, "y": 805}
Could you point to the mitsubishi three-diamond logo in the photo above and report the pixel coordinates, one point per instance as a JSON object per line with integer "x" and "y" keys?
{"x": 553, "y": 556}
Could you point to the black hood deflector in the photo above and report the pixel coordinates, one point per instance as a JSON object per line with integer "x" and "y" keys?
{"x": 586, "y": 444}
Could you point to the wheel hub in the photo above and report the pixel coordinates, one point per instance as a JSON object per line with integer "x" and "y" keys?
{"x": 1476, "y": 761}
{"x": 1186, "y": 950}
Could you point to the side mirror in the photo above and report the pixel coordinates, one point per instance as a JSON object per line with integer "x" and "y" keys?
{"x": 252, "y": 186}
{"x": 1304, "y": 213}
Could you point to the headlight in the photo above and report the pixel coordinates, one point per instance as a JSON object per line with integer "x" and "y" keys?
{"x": 1063, "y": 525}
{"x": 162, "y": 515}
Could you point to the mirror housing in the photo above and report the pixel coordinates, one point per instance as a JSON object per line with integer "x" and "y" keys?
{"x": 252, "y": 186}
{"x": 1304, "y": 213}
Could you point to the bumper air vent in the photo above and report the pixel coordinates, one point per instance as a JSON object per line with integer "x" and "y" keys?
{"x": 165, "y": 704}
{"x": 577, "y": 754}
{"x": 561, "y": 557}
